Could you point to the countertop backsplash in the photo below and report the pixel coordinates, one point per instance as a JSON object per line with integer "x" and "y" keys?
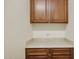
{"x": 48, "y": 34}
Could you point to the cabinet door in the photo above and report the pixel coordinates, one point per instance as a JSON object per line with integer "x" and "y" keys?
{"x": 37, "y": 57}
{"x": 58, "y": 11}
{"x": 37, "y": 51}
{"x": 62, "y": 53}
{"x": 61, "y": 57}
{"x": 38, "y": 11}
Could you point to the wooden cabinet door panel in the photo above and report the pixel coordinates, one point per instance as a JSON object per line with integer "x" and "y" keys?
{"x": 37, "y": 57}
{"x": 37, "y": 51}
{"x": 38, "y": 11}
{"x": 61, "y": 51}
{"x": 61, "y": 57}
{"x": 58, "y": 11}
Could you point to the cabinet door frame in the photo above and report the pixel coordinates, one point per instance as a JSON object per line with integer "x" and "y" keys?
{"x": 54, "y": 12}
{"x": 32, "y": 18}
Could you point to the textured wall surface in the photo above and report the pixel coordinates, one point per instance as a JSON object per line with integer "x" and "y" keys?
{"x": 17, "y": 28}
{"x": 70, "y": 26}
{"x": 48, "y": 34}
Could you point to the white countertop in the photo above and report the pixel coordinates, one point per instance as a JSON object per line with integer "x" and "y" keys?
{"x": 49, "y": 43}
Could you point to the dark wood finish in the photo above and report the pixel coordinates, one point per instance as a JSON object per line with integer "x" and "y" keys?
{"x": 37, "y": 51}
{"x": 61, "y": 53}
{"x": 58, "y": 11}
{"x": 61, "y": 57}
{"x": 45, "y": 11}
{"x": 49, "y": 53}
{"x": 38, "y": 11}
{"x": 37, "y": 57}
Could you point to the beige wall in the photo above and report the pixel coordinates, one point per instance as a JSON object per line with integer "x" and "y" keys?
{"x": 49, "y": 27}
{"x": 17, "y": 28}
{"x": 70, "y": 25}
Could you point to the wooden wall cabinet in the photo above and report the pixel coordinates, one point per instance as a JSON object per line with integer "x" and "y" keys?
{"x": 49, "y": 53}
{"x": 49, "y": 11}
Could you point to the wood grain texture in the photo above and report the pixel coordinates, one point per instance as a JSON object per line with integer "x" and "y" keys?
{"x": 45, "y": 11}
{"x": 49, "y": 53}
{"x": 37, "y": 51}
{"x": 61, "y": 57}
{"x": 37, "y": 57}
{"x": 38, "y": 11}
{"x": 58, "y": 11}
